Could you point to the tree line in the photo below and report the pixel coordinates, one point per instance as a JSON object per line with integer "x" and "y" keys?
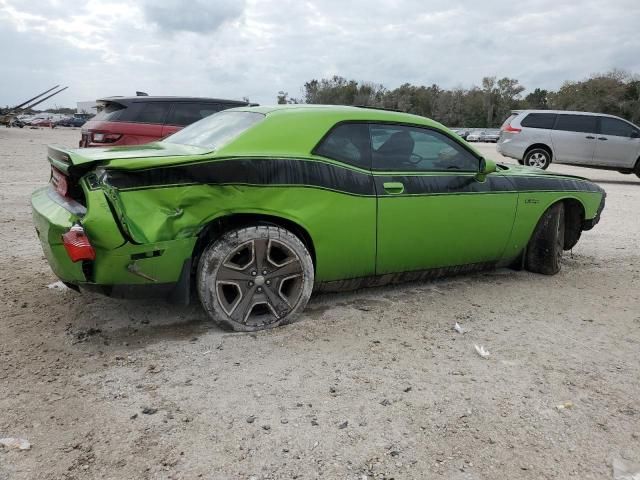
{"x": 616, "y": 92}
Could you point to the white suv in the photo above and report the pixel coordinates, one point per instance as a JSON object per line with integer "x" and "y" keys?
{"x": 538, "y": 137}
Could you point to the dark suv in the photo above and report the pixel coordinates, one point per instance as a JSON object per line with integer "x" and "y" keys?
{"x": 143, "y": 119}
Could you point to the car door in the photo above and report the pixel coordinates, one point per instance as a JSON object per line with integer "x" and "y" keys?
{"x": 434, "y": 209}
{"x": 574, "y": 139}
{"x": 617, "y": 144}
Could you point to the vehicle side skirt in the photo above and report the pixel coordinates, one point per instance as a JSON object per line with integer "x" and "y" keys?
{"x": 401, "y": 277}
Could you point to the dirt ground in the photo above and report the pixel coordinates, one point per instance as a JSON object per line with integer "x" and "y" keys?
{"x": 369, "y": 384}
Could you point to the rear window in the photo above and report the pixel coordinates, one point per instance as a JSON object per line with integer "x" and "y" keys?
{"x": 110, "y": 112}
{"x": 216, "y": 130}
{"x": 187, "y": 113}
{"x": 576, "y": 123}
{"x": 612, "y": 126}
{"x": 508, "y": 120}
{"x": 539, "y": 120}
{"x": 138, "y": 112}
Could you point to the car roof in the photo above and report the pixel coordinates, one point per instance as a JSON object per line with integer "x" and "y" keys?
{"x": 570, "y": 112}
{"x": 310, "y": 123}
{"x": 341, "y": 112}
{"x": 128, "y": 100}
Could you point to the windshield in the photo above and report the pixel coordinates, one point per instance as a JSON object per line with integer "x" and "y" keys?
{"x": 216, "y": 130}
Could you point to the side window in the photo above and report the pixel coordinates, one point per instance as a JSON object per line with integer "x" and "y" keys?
{"x": 145, "y": 112}
{"x": 184, "y": 114}
{"x": 576, "y": 123}
{"x": 612, "y": 126}
{"x": 397, "y": 147}
{"x": 348, "y": 143}
{"x": 539, "y": 120}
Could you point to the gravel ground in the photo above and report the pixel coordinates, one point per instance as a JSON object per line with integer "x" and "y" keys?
{"x": 369, "y": 384}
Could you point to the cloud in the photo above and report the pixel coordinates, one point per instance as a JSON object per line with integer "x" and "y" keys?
{"x": 192, "y": 15}
{"x": 255, "y": 48}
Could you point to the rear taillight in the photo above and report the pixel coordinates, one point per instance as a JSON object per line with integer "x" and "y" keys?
{"x": 77, "y": 244}
{"x": 59, "y": 182}
{"x": 510, "y": 129}
{"x": 98, "y": 137}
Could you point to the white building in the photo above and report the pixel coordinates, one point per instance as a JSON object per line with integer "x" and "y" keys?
{"x": 86, "y": 107}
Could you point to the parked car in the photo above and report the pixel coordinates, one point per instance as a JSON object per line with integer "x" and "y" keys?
{"x": 539, "y": 137}
{"x": 42, "y": 122}
{"x": 256, "y": 207}
{"x": 461, "y": 132}
{"x": 144, "y": 119}
{"x": 15, "y": 122}
{"x": 75, "y": 121}
{"x": 490, "y": 136}
{"x": 464, "y": 133}
{"x": 475, "y": 136}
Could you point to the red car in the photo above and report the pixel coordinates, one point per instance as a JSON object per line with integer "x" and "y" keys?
{"x": 41, "y": 122}
{"x": 144, "y": 119}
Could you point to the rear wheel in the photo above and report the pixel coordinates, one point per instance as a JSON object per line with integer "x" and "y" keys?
{"x": 544, "y": 251}
{"x": 537, "y": 157}
{"x": 637, "y": 169}
{"x": 255, "y": 278}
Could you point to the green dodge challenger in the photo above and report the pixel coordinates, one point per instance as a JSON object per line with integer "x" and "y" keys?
{"x": 256, "y": 207}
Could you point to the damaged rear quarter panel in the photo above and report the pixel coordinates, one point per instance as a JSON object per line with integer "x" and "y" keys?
{"x": 331, "y": 218}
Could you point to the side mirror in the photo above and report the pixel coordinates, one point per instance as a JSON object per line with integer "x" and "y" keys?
{"x": 487, "y": 166}
{"x": 635, "y": 133}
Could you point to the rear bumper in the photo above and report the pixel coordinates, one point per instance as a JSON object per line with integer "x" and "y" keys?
{"x": 510, "y": 148}
{"x": 52, "y": 219}
{"x": 120, "y": 268}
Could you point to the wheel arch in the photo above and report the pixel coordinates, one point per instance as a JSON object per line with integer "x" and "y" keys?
{"x": 231, "y": 221}
{"x": 574, "y": 216}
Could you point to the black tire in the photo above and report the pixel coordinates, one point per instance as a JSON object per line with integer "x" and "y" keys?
{"x": 637, "y": 169}
{"x": 537, "y": 157}
{"x": 255, "y": 278}
{"x": 544, "y": 251}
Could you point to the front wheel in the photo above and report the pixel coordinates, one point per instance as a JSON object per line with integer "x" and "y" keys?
{"x": 537, "y": 157}
{"x": 255, "y": 278}
{"x": 544, "y": 251}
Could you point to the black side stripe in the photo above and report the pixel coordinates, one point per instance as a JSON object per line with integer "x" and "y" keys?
{"x": 267, "y": 171}
{"x": 532, "y": 184}
{"x": 280, "y": 171}
{"x": 454, "y": 184}
{"x": 439, "y": 184}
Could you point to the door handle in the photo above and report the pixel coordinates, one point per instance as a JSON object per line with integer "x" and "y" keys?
{"x": 394, "y": 188}
{"x": 602, "y": 138}
{"x": 590, "y": 137}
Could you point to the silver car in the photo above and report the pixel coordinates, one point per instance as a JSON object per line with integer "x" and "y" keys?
{"x": 475, "y": 136}
{"x": 538, "y": 137}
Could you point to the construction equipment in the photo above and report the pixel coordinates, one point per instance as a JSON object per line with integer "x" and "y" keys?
{"x": 8, "y": 116}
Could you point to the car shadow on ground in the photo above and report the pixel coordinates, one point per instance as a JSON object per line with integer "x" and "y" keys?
{"x": 136, "y": 323}
{"x": 131, "y": 324}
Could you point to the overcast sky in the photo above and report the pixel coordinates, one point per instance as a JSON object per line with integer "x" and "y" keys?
{"x": 254, "y": 48}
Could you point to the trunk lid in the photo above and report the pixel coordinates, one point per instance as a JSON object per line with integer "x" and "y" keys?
{"x": 65, "y": 158}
